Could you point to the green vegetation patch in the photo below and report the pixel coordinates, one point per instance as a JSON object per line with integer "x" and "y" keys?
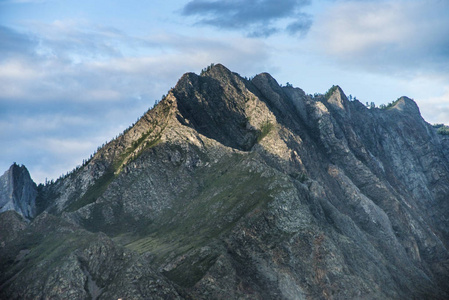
{"x": 441, "y": 129}
{"x": 207, "y": 69}
{"x": 389, "y": 105}
{"x": 265, "y": 129}
{"x": 300, "y": 176}
{"x": 119, "y": 161}
{"x": 330, "y": 91}
{"x": 147, "y": 145}
{"x": 139, "y": 141}
{"x": 93, "y": 192}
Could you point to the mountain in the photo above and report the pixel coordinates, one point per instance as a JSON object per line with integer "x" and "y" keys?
{"x": 232, "y": 188}
{"x": 18, "y": 191}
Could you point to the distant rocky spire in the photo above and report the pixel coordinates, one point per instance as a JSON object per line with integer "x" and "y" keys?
{"x": 18, "y": 191}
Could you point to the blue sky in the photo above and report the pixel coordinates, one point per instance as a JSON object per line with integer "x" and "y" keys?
{"x": 74, "y": 74}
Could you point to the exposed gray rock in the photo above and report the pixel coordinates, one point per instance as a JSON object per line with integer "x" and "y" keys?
{"x": 18, "y": 191}
{"x": 58, "y": 260}
{"x": 11, "y": 227}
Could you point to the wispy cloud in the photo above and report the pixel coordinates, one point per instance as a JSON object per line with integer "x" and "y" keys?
{"x": 254, "y": 17}
{"x": 436, "y": 109}
{"x": 387, "y": 36}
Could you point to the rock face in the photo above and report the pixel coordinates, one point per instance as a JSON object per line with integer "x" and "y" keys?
{"x": 242, "y": 189}
{"x": 18, "y": 191}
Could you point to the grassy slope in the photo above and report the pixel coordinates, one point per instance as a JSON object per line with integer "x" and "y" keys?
{"x": 229, "y": 192}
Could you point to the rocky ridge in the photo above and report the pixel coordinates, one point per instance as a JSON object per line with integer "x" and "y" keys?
{"x": 242, "y": 189}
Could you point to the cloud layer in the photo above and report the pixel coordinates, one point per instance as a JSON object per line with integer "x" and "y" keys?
{"x": 387, "y": 36}
{"x": 257, "y": 18}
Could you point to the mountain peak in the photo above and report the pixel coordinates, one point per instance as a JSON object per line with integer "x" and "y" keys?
{"x": 337, "y": 98}
{"x": 214, "y": 103}
{"x": 407, "y": 105}
{"x": 18, "y": 191}
{"x": 266, "y": 79}
{"x": 219, "y": 67}
{"x": 215, "y": 70}
{"x": 17, "y": 170}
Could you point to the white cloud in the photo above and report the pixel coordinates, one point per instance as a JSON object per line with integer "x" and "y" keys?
{"x": 399, "y": 36}
{"x": 436, "y": 109}
{"x": 17, "y": 70}
{"x": 39, "y": 123}
{"x": 57, "y": 156}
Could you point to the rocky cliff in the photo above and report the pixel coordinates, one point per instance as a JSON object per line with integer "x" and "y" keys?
{"x": 243, "y": 189}
{"x": 18, "y": 191}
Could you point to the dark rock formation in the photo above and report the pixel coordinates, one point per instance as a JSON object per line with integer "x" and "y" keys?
{"x": 18, "y": 191}
{"x": 242, "y": 189}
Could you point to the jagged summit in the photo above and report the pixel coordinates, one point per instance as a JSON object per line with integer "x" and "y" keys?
{"x": 232, "y": 188}
{"x": 216, "y": 70}
{"x": 215, "y": 104}
{"x": 407, "y": 105}
{"x": 18, "y": 191}
{"x": 337, "y": 98}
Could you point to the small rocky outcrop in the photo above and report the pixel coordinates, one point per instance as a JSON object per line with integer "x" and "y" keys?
{"x": 18, "y": 191}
